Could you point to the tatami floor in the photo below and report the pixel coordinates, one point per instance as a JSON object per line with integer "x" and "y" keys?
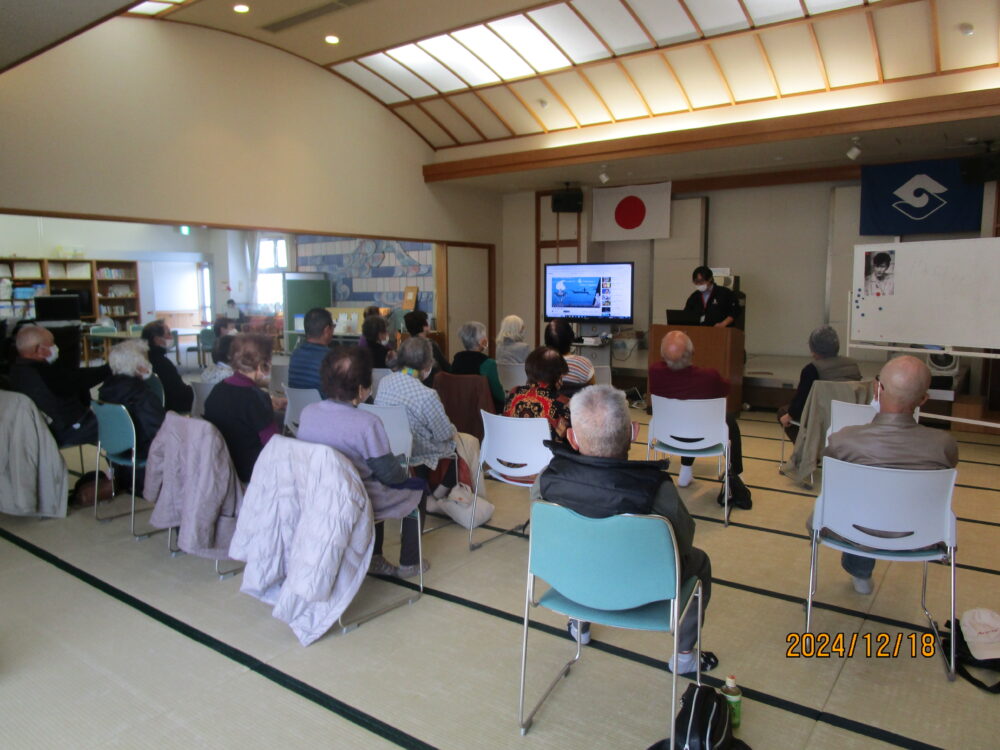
{"x": 106, "y": 642}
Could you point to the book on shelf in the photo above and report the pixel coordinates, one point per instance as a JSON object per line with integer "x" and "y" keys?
{"x": 78, "y": 270}
{"x": 27, "y": 270}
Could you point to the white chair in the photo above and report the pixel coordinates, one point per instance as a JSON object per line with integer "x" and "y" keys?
{"x": 377, "y": 374}
{"x": 298, "y": 399}
{"x": 694, "y": 428}
{"x": 201, "y": 391}
{"x": 279, "y": 376}
{"x": 886, "y": 514}
{"x": 397, "y": 428}
{"x": 511, "y": 376}
{"x": 602, "y": 374}
{"x": 847, "y": 414}
{"x": 515, "y": 441}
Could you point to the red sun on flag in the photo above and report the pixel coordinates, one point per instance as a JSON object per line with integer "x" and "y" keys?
{"x": 630, "y": 212}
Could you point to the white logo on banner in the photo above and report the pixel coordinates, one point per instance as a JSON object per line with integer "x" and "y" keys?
{"x": 919, "y": 197}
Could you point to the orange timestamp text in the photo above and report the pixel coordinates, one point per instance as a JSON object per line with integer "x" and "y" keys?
{"x": 869, "y": 645}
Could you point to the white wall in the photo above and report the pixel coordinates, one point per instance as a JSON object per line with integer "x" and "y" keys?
{"x": 516, "y": 261}
{"x": 167, "y": 121}
{"x": 175, "y": 286}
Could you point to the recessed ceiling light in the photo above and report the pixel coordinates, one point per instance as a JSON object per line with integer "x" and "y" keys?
{"x": 241, "y": 8}
{"x": 331, "y": 39}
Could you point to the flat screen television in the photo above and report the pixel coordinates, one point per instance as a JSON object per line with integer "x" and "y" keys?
{"x": 589, "y": 292}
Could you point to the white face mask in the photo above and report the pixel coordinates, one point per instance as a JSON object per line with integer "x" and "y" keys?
{"x": 53, "y": 354}
{"x": 876, "y": 404}
{"x": 702, "y": 288}
{"x": 145, "y": 374}
{"x": 384, "y": 341}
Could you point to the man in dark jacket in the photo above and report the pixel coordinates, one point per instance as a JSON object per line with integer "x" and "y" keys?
{"x": 178, "y": 395}
{"x": 61, "y": 393}
{"x": 600, "y": 481}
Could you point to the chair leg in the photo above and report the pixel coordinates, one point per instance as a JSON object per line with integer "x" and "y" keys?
{"x": 145, "y": 534}
{"x": 949, "y": 664}
{"x": 813, "y": 572}
{"x": 725, "y": 490}
{"x": 174, "y": 551}
{"x": 563, "y": 672}
{"x": 97, "y": 489}
{"x": 473, "y": 546}
{"x": 224, "y": 574}
{"x": 409, "y": 598}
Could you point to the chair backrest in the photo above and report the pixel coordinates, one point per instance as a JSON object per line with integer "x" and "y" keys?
{"x": 515, "y": 441}
{"x": 845, "y": 414}
{"x": 689, "y": 424}
{"x": 298, "y": 399}
{"x": 377, "y": 374}
{"x": 97, "y": 330}
{"x": 114, "y": 427}
{"x": 279, "y": 376}
{"x": 156, "y": 386}
{"x": 614, "y": 563}
{"x": 602, "y": 374}
{"x": 136, "y": 328}
{"x": 511, "y": 376}
{"x": 397, "y": 427}
{"x": 913, "y": 506}
{"x": 206, "y": 339}
{"x": 463, "y": 397}
{"x": 201, "y": 391}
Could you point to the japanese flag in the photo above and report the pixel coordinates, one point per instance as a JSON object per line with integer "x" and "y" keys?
{"x": 639, "y": 212}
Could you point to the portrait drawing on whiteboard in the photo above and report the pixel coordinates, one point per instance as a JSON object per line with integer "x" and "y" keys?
{"x": 880, "y": 272}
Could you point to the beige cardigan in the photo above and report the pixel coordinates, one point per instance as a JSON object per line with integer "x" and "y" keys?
{"x": 33, "y": 478}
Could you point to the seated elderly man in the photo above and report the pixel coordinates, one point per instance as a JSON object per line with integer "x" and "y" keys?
{"x": 475, "y": 361}
{"x": 676, "y": 377}
{"x": 893, "y": 440}
{"x": 600, "y": 481}
{"x": 303, "y": 367}
{"x": 824, "y": 344}
{"x": 61, "y": 393}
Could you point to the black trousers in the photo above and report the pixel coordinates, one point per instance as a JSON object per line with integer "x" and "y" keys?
{"x": 409, "y": 543}
{"x": 735, "y": 449}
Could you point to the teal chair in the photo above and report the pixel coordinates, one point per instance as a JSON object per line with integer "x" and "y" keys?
{"x": 156, "y": 386}
{"x": 116, "y": 438}
{"x": 622, "y": 571}
{"x": 136, "y": 328}
{"x": 206, "y": 340}
{"x": 97, "y": 342}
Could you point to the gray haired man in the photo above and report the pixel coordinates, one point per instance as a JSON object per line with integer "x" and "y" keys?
{"x": 600, "y": 481}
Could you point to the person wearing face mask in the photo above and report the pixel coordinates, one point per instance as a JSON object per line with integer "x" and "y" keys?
{"x": 61, "y": 393}
{"x": 178, "y": 395}
{"x": 374, "y": 334}
{"x": 130, "y": 369}
{"x": 893, "y": 440}
{"x": 433, "y": 432}
{"x": 240, "y": 407}
{"x": 713, "y": 305}
{"x": 475, "y": 361}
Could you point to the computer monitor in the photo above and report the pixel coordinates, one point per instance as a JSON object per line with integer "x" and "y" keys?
{"x": 57, "y": 307}
{"x": 589, "y": 292}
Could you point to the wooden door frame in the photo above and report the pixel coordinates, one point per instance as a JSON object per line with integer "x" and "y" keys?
{"x": 441, "y": 285}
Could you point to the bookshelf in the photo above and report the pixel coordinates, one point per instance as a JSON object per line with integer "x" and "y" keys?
{"x": 107, "y": 288}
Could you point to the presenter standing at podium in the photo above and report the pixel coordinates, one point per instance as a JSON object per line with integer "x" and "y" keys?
{"x": 711, "y": 304}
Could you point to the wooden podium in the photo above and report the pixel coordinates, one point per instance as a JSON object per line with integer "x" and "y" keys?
{"x": 718, "y": 348}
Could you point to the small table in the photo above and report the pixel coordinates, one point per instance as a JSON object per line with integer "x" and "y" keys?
{"x": 109, "y": 338}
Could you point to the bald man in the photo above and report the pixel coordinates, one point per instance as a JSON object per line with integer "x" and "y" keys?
{"x": 61, "y": 393}
{"x": 676, "y": 377}
{"x": 893, "y": 440}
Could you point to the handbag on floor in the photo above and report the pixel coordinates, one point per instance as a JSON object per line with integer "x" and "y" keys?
{"x": 702, "y": 723}
{"x": 83, "y": 494}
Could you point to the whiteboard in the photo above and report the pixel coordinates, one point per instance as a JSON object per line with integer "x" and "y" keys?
{"x": 941, "y": 292}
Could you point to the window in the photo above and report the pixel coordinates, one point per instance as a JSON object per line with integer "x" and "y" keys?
{"x": 272, "y": 262}
{"x": 205, "y": 271}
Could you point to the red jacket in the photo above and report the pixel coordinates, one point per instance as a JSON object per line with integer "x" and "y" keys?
{"x": 691, "y": 382}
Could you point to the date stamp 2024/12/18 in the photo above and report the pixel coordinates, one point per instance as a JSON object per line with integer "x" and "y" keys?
{"x": 869, "y": 645}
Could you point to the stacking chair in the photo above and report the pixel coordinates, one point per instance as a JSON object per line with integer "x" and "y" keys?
{"x": 691, "y": 427}
{"x": 377, "y": 374}
{"x": 512, "y": 376}
{"x": 397, "y": 428}
{"x": 512, "y": 447}
{"x": 206, "y": 340}
{"x": 298, "y": 399}
{"x": 201, "y": 391}
{"x": 101, "y": 342}
{"x": 623, "y": 571}
{"x": 901, "y": 515}
{"x": 116, "y": 437}
{"x": 156, "y": 386}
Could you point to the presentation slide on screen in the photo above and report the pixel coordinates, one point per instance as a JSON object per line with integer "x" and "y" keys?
{"x": 591, "y": 291}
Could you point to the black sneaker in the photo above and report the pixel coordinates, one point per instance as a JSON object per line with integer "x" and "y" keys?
{"x": 739, "y": 494}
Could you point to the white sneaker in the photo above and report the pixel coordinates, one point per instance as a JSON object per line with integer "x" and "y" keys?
{"x": 686, "y": 475}
{"x": 862, "y": 585}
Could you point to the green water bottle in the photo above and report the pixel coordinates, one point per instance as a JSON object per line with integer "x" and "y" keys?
{"x": 734, "y": 697}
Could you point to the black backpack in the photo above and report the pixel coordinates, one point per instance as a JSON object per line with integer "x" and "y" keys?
{"x": 702, "y": 723}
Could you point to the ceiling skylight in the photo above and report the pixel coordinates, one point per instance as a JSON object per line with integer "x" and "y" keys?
{"x": 465, "y": 64}
{"x": 530, "y": 43}
{"x": 427, "y": 67}
{"x": 493, "y": 51}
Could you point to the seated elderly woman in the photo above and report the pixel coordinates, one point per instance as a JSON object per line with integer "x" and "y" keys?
{"x": 512, "y": 349}
{"x": 239, "y": 407}
{"x": 824, "y": 345}
{"x": 130, "y": 369}
{"x": 559, "y": 335}
{"x": 545, "y": 369}
{"x": 475, "y": 361}
{"x": 219, "y": 370}
{"x": 433, "y": 432}
{"x": 178, "y": 394}
{"x": 375, "y": 338}
{"x": 346, "y": 375}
